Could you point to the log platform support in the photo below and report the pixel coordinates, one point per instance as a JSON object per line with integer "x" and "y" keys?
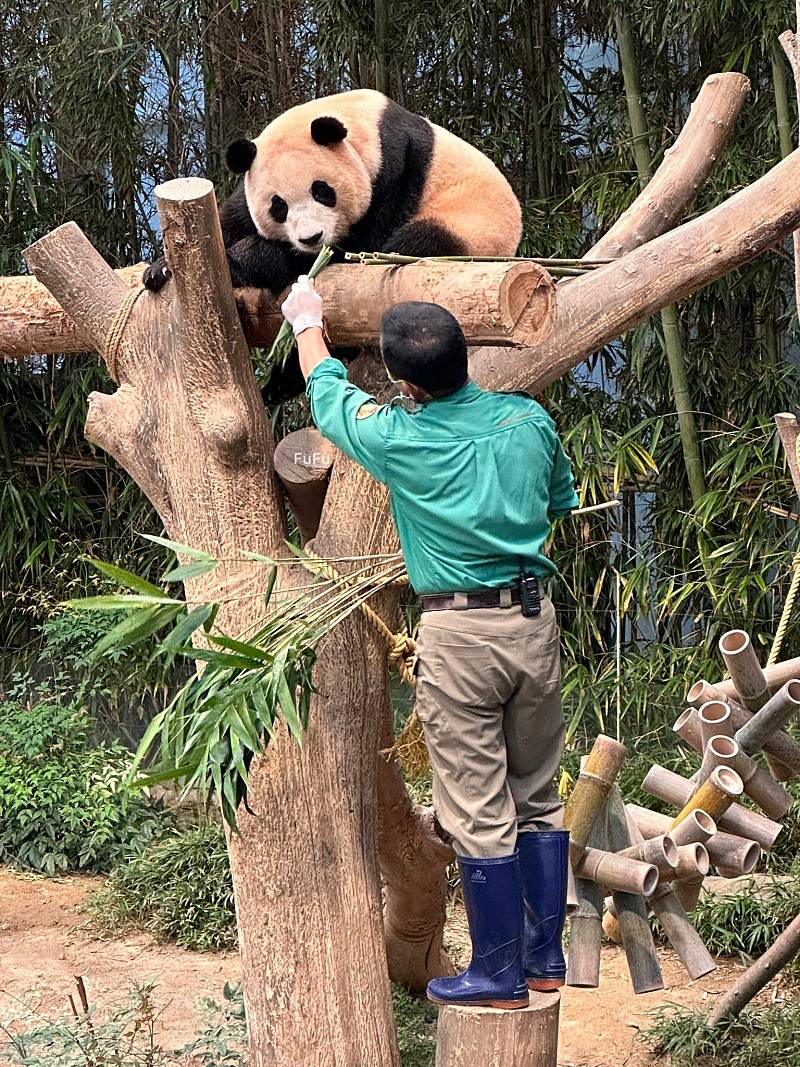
{"x": 526, "y": 1037}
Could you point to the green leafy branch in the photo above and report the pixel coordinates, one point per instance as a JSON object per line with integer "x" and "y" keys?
{"x": 208, "y": 734}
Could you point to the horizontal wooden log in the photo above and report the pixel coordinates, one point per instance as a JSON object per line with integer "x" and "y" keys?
{"x": 509, "y": 303}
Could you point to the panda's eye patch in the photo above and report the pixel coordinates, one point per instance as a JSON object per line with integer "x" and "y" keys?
{"x": 279, "y": 209}
{"x": 323, "y": 193}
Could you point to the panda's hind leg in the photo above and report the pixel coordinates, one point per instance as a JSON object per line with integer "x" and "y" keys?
{"x": 424, "y": 237}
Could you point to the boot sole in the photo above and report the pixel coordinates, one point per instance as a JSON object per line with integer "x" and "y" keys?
{"x": 545, "y": 985}
{"x": 504, "y": 1005}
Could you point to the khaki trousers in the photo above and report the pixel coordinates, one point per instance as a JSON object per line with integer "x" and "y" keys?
{"x": 489, "y": 699}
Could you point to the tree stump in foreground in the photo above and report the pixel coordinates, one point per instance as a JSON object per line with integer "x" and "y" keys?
{"x": 526, "y": 1037}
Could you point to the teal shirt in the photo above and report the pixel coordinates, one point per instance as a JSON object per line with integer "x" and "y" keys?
{"x": 474, "y": 477}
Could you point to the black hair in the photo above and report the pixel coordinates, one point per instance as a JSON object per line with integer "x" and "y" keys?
{"x": 423, "y": 344}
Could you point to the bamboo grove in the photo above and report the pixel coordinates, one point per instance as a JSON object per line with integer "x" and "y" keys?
{"x": 576, "y": 102}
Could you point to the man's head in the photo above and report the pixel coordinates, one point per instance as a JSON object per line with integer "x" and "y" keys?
{"x": 423, "y": 345}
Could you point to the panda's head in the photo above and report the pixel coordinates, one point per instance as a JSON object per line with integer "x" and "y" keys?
{"x": 304, "y": 182}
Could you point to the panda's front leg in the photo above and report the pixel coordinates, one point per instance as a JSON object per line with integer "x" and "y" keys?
{"x": 264, "y": 264}
{"x": 424, "y": 237}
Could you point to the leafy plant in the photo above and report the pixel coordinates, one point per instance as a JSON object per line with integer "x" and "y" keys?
{"x": 127, "y": 1035}
{"x": 209, "y": 733}
{"x": 66, "y": 804}
{"x": 416, "y": 1028}
{"x": 179, "y": 889}
{"x": 746, "y": 923}
{"x": 757, "y": 1037}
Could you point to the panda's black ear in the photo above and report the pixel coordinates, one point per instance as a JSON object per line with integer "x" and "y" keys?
{"x": 328, "y": 130}
{"x": 240, "y": 154}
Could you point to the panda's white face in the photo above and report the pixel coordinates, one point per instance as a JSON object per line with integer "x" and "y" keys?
{"x": 305, "y": 185}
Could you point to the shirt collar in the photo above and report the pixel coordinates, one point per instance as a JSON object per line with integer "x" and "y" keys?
{"x": 468, "y": 391}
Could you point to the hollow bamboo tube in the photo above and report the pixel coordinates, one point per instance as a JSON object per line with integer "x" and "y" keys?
{"x": 778, "y": 711}
{"x": 634, "y": 926}
{"x": 692, "y": 864}
{"x": 597, "y": 775}
{"x": 672, "y": 788}
{"x": 688, "y": 894}
{"x": 617, "y": 872}
{"x": 725, "y": 850}
{"x": 661, "y": 851}
{"x": 745, "y": 670}
{"x": 585, "y": 936}
{"x": 715, "y": 795}
{"x": 683, "y": 937}
{"x": 781, "y": 750}
{"x": 761, "y": 787}
{"x": 777, "y": 675}
{"x": 714, "y": 718}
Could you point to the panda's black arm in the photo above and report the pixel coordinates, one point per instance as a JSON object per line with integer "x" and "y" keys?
{"x": 266, "y": 264}
{"x": 423, "y": 237}
{"x": 235, "y": 218}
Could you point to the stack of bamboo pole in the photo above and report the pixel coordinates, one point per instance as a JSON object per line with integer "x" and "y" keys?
{"x": 649, "y": 862}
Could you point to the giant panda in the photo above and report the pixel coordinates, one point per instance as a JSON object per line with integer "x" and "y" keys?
{"x": 359, "y": 173}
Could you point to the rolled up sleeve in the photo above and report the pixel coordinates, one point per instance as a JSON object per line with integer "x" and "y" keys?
{"x": 341, "y": 412}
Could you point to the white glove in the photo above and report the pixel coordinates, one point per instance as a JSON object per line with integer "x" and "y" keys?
{"x": 302, "y": 308}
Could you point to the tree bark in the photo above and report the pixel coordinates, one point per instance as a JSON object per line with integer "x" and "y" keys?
{"x": 188, "y": 424}
{"x": 789, "y": 431}
{"x": 511, "y": 303}
{"x": 667, "y": 196}
{"x": 595, "y": 309}
{"x": 526, "y": 1037}
{"x": 750, "y": 984}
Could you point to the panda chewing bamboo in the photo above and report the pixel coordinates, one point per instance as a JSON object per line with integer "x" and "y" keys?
{"x": 359, "y": 173}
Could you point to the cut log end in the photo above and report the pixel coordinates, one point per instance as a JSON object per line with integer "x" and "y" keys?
{"x": 527, "y": 1037}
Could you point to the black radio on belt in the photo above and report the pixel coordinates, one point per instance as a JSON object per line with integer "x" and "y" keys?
{"x": 529, "y": 597}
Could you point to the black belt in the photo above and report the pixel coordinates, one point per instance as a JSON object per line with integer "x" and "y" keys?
{"x": 484, "y": 598}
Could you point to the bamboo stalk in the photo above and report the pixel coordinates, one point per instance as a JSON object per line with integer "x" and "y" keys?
{"x": 699, "y": 826}
{"x": 692, "y": 864}
{"x": 780, "y": 746}
{"x": 776, "y": 713}
{"x": 685, "y": 940}
{"x": 637, "y": 939}
{"x": 585, "y": 936}
{"x": 672, "y": 788}
{"x": 715, "y": 795}
{"x": 616, "y": 871}
{"x": 745, "y": 670}
{"x": 661, "y": 851}
{"x": 597, "y": 775}
{"x": 728, "y": 851}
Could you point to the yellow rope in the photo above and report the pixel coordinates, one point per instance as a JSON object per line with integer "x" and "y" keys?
{"x": 117, "y": 329}
{"x": 410, "y": 747}
{"x": 791, "y": 596}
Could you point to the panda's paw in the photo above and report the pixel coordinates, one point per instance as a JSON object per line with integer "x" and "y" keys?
{"x": 156, "y": 275}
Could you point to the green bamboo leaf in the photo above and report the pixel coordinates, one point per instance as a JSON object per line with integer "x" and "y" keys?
{"x": 196, "y": 618}
{"x": 118, "y": 602}
{"x": 179, "y": 549}
{"x": 126, "y": 578}
{"x": 135, "y": 628}
{"x": 189, "y": 570}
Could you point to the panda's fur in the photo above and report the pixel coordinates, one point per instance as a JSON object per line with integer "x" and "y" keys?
{"x": 360, "y": 173}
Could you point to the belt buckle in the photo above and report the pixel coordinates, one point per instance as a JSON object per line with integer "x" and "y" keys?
{"x": 460, "y": 601}
{"x": 505, "y": 598}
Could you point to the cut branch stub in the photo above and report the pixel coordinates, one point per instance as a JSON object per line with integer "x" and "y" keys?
{"x": 789, "y": 431}
{"x": 303, "y": 461}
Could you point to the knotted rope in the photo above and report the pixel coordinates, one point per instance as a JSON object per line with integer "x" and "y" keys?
{"x": 410, "y": 746}
{"x": 791, "y": 596}
{"x": 117, "y": 329}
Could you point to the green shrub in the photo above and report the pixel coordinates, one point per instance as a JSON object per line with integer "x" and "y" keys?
{"x": 179, "y": 890}
{"x": 415, "y": 1019}
{"x": 746, "y": 923}
{"x": 759, "y": 1036}
{"x": 127, "y": 1035}
{"x": 65, "y": 804}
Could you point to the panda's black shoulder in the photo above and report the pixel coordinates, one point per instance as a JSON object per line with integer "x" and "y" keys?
{"x": 235, "y": 218}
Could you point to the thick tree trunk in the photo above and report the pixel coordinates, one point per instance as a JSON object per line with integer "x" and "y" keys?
{"x": 188, "y": 424}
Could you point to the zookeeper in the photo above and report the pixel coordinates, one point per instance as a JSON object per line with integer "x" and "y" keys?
{"x": 475, "y": 478}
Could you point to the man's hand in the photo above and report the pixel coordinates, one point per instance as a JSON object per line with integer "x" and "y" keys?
{"x": 302, "y": 308}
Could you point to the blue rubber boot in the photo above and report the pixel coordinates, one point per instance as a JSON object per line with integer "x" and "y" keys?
{"x": 493, "y": 898}
{"x": 543, "y": 860}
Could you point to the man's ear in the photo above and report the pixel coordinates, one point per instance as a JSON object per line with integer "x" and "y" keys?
{"x": 240, "y": 155}
{"x": 328, "y": 130}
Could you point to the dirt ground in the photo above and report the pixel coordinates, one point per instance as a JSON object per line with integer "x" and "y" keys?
{"x": 46, "y": 939}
